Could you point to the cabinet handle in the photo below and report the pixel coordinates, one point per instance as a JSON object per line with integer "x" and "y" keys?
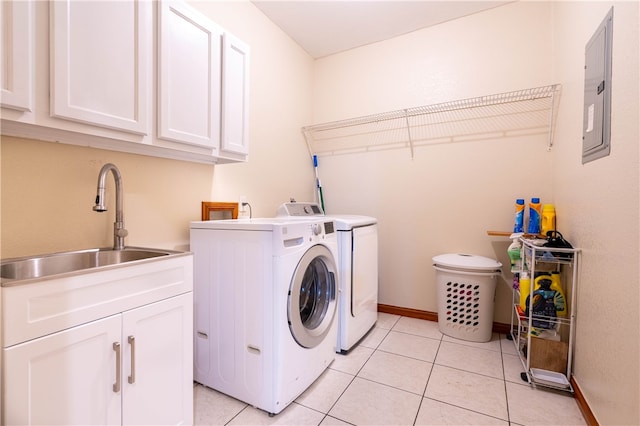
{"x": 116, "y": 385}
{"x": 132, "y": 377}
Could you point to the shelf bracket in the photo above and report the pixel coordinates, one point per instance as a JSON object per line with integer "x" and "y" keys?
{"x": 552, "y": 115}
{"x": 406, "y": 118}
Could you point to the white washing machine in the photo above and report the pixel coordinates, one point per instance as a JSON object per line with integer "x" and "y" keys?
{"x": 265, "y": 306}
{"x": 358, "y": 268}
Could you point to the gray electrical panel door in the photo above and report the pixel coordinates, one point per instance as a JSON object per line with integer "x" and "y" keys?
{"x": 596, "y": 130}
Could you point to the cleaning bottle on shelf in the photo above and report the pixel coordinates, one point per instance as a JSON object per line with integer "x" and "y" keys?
{"x": 559, "y": 299}
{"x": 542, "y": 304}
{"x": 534, "y": 216}
{"x": 519, "y": 223}
{"x": 540, "y": 276}
{"x": 525, "y": 288}
{"x": 548, "y": 219}
{"x": 514, "y": 251}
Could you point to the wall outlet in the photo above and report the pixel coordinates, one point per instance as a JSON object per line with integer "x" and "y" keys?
{"x": 241, "y": 207}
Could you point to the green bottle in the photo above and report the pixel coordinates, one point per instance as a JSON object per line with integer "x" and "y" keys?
{"x": 514, "y": 252}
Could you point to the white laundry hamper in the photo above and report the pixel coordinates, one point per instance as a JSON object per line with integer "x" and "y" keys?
{"x": 466, "y": 287}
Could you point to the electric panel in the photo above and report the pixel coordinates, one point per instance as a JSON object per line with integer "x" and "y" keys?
{"x": 596, "y": 130}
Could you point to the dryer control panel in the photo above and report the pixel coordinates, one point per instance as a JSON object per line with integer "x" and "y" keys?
{"x": 296, "y": 209}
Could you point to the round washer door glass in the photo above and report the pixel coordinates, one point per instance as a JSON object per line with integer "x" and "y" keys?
{"x": 312, "y": 297}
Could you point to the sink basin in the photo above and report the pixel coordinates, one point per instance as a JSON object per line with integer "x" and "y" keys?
{"x": 67, "y": 262}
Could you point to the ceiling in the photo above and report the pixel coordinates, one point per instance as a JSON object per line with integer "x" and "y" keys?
{"x": 326, "y": 27}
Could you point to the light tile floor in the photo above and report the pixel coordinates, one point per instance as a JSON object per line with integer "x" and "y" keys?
{"x": 405, "y": 372}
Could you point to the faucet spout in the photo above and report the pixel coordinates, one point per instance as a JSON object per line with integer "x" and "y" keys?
{"x": 119, "y": 232}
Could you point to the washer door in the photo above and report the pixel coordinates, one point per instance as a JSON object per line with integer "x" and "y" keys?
{"x": 312, "y": 297}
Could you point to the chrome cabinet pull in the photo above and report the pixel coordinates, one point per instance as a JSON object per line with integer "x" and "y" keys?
{"x": 132, "y": 342}
{"x": 116, "y": 385}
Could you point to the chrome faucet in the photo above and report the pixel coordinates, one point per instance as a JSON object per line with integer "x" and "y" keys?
{"x": 118, "y": 226}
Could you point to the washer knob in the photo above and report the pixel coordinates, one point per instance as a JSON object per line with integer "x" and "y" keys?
{"x": 316, "y": 228}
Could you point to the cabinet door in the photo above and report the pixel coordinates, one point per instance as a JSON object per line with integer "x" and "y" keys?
{"x": 235, "y": 96}
{"x": 16, "y": 54}
{"x": 189, "y": 76}
{"x": 100, "y": 62}
{"x": 64, "y": 378}
{"x": 158, "y": 363}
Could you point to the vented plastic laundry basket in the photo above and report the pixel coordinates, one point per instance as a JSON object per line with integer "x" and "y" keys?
{"x": 466, "y": 287}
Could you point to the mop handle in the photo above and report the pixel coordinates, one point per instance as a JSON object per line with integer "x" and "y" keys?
{"x": 318, "y": 184}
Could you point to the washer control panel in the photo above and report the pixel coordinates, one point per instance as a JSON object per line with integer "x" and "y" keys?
{"x": 316, "y": 228}
{"x": 321, "y": 229}
{"x": 329, "y": 228}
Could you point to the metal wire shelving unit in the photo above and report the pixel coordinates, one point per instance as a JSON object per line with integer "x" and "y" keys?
{"x": 522, "y": 112}
{"x": 551, "y": 365}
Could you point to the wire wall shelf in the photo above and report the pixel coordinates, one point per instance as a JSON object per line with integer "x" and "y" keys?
{"x": 523, "y": 112}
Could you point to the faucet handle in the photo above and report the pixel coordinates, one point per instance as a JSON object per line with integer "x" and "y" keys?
{"x": 121, "y": 232}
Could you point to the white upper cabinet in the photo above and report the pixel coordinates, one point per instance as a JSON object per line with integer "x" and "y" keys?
{"x": 235, "y": 96}
{"x": 147, "y": 77}
{"x": 189, "y": 58}
{"x": 99, "y": 62}
{"x": 16, "y": 54}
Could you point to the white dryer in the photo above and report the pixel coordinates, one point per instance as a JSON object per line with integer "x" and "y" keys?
{"x": 265, "y": 301}
{"x": 358, "y": 268}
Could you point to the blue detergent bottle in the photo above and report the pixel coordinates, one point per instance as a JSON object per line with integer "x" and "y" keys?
{"x": 519, "y": 224}
{"x": 534, "y": 216}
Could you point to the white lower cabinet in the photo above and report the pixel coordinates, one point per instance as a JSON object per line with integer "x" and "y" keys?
{"x": 64, "y": 378}
{"x": 130, "y": 368}
{"x": 157, "y": 373}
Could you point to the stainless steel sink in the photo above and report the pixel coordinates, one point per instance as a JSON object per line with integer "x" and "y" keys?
{"x": 68, "y": 262}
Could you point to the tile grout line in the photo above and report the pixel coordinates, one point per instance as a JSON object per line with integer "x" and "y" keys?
{"x": 377, "y": 348}
{"x": 480, "y": 374}
{"x": 354, "y": 376}
{"x": 504, "y": 380}
{"x": 440, "y": 351}
{"x": 424, "y": 392}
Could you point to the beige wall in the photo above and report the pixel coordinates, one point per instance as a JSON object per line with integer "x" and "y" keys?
{"x": 279, "y": 166}
{"x": 47, "y": 189}
{"x": 442, "y": 201}
{"x": 601, "y": 204}
{"x": 449, "y": 195}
